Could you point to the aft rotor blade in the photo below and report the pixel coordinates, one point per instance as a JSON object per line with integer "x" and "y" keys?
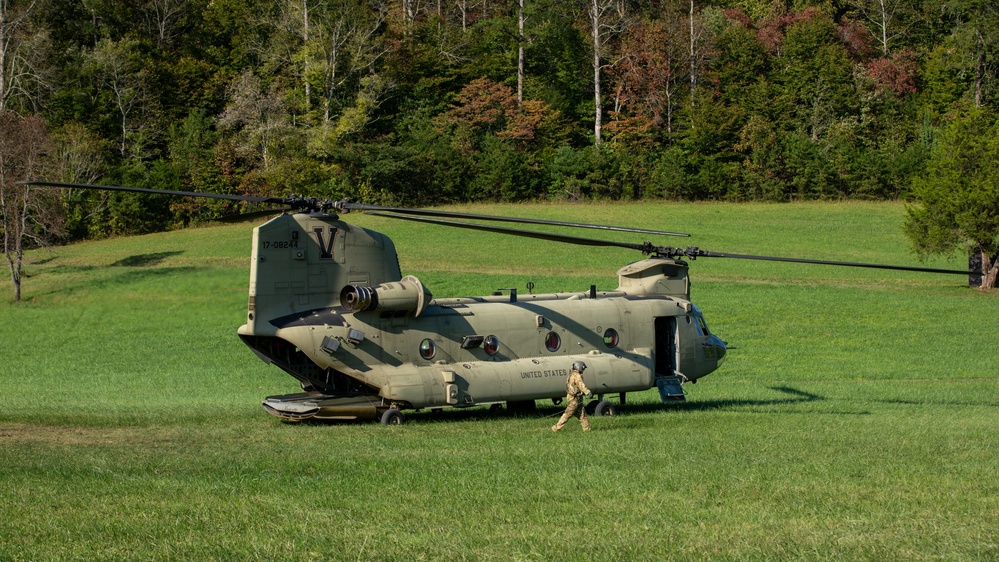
{"x": 697, "y": 253}
{"x": 518, "y": 232}
{"x": 249, "y": 198}
{"x": 246, "y": 217}
{"x": 496, "y": 218}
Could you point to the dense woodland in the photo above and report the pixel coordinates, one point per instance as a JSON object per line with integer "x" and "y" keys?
{"x": 419, "y": 103}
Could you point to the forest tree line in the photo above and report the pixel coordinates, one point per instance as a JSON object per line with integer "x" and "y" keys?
{"x": 421, "y": 102}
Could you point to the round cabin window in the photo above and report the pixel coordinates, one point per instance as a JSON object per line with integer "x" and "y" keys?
{"x": 611, "y": 338}
{"x": 491, "y": 345}
{"x": 553, "y": 341}
{"x": 428, "y": 349}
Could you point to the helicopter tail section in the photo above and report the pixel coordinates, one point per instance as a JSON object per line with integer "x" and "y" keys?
{"x": 301, "y": 261}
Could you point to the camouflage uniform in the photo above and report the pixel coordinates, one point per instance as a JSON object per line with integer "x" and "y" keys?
{"x": 575, "y": 389}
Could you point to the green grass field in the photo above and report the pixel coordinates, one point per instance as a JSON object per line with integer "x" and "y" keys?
{"x": 856, "y": 417}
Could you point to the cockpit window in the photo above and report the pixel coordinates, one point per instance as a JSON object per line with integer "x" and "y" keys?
{"x": 702, "y": 326}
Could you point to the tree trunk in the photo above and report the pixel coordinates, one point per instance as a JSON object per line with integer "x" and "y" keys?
{"x": 3, "y": 54}
{"x": 14, "y": 261}
{"x": 597, "y": 100}
{"x": 305, "y": 63}
{"x": 693, "y": 52}
{"x": 990, "y": 271}
{"x": 520, "y": 54}
{"x": 884, "y": 28}
{"x": 979, "y": 68}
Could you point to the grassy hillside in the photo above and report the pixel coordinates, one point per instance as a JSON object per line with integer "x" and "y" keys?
{"x": 855, "y": 418}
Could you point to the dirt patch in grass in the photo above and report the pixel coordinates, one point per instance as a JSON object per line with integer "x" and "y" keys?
{"x": 20, "y": 434}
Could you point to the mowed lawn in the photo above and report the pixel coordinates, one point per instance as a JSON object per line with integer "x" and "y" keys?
{"x": 855, "y": 418}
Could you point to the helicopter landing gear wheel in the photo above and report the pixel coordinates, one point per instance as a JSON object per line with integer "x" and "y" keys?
{"x": 393, "y": 417}
{"x": 495, "y": 408}
{"x": 605, "y": 408}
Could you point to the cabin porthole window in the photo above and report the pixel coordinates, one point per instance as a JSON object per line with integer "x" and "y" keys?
{"x": 428, "y": 349}
{"x": 553, "y": 341}
{"x": 611, "y": 338}
{"x": 491, "y": 345}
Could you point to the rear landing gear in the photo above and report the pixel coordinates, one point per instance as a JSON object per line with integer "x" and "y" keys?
{"x": 393, "y": 417}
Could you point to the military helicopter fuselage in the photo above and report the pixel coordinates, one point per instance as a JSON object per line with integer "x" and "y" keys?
{"x": 329, "y": 306}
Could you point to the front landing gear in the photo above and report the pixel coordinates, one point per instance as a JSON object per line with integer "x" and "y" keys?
{"x": 602, "y": 406}
{"x": 605, "y": 408}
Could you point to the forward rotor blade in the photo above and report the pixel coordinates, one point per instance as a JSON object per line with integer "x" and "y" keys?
{"x": 471, "y": 216}
{"x": 697, "y": 253}
{"x": 667, "y": 251}
{"x": 517, "y": 232}
{"x": 251, "y": 199}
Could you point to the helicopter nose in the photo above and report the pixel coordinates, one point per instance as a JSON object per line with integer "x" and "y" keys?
{"x": 720, "y": 348}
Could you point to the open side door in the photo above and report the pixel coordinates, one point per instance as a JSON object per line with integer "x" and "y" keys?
{"x": 667, "y": 360}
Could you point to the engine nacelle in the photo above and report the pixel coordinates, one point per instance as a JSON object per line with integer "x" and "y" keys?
{"x": 407, "y": 295}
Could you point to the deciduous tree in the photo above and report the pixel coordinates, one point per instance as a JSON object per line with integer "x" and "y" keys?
{"x": 607, "y": 18}
{"x": 344, "y": 48}
{"x": 28, "y": 215}
{"x": 888, "y": 20}
{"x": 255, "y": 118}
{"x": 22, "y": 48}
{"x": 120, "y": 75}
{"x": 651, "y": 74}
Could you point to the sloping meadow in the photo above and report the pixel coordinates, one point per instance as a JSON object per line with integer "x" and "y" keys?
{"x": 854, "y": 417}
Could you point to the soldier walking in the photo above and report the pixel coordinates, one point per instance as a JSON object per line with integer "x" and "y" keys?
{"x": 575, "y": 388}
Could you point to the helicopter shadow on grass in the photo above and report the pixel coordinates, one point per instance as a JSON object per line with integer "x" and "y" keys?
{"x": 125, "y": 271}
{"x": 932, "y": 402}
{"x": 145, "y": 260}
{"x": 43, "y": 261}
{"x": 793, "y": 397}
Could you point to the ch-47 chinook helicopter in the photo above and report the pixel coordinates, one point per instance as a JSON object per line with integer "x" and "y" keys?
{"x": 329, "y": 305}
